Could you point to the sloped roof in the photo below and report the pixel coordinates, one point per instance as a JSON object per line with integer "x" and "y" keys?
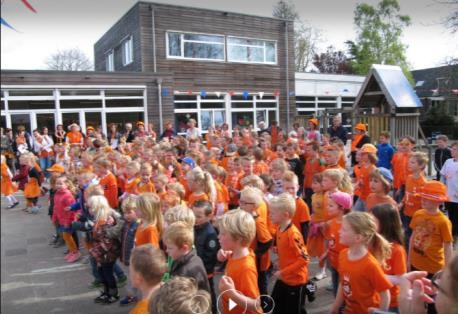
{"x": 390, "y": 82}
{"x": 426, "y": 79}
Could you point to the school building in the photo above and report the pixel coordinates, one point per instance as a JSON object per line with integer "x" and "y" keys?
{"x": 163, "y": 62}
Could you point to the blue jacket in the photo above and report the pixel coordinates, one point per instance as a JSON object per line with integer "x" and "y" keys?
{"x": 207, "y": 245}
{"x": 127, "y": 241}
{"x": 384, "y": 154}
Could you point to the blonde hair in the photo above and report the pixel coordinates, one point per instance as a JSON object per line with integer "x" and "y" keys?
{"x": 421, "y": 158}
{"x": 149, "y": 262}
{"x": 180, "y": 234}
{"x": 205, "y": 179}
{"x": 364, "y": 224}
{"x": 134, "y": 165}
{"x": 129, "y": 204}
{"x": 290, "y": 177}
{"x": 180, "y": 295}
{"x": 94, "y": 189}
{"x": 178, "y": 188}
{"x": 279, "y": 164}
{"x": 284, "y": 202}
{"x": 99, "y": 207}
{"x": 341, "y": 177}
{"x": 149, "y": 205}
{"x": 69, "y": 182}
{"x": 253, "y": 181}
{"x": 180, "y": 213}
{"x": 239, "y": 224}
{"x": 253, "y": 194}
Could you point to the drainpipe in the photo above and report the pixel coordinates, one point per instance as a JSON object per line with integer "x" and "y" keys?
{"x": 287, "y": 76}
{"x": 159, "y": 95}
{"x": 153, "y": 26}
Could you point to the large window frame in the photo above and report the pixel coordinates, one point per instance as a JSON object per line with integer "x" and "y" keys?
{"x": 127, "y": 51}
{"x": 183, "y": 41}
{"x": 248, "y": 46}
{"x": 110, "y": 61}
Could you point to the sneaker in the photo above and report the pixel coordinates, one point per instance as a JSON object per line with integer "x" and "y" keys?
{"x": 66, "y": 251}
{"x": 34, "y": 210}
{"x": 127, "y": 300}
{"x": 121, "y": 282}
{"x": 320, "y": 276}
{"x": 13, "y": 205}
{"x": 85, "y": 260}
{"x": 74, "y": 257}
{"x": 95, "y": 284}
{"x": 110, "y": 299}
{"x": 101, "y": 298}
{"x": 310, "y": 289}
{"x": 67, "y": 256}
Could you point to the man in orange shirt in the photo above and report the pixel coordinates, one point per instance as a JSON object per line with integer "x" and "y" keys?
{"x": 107, "y": 181}
{"x": 289, "y": 290}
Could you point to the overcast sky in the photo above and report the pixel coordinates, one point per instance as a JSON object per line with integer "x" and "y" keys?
{"x": 62, "y": 24}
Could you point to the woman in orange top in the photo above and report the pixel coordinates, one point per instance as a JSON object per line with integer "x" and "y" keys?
{"x": 74, "y": 137}
{"x": 7, "y": 185}
{"x": 149, "y": 212}
{"x": 362, "y": 281}
{"x": 368, "y": 160}
{"x": 390, "y": 227}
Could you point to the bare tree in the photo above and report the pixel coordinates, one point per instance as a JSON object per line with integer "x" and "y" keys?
{"x": 69, "y": 60}
{"x": 451, "y": 20}
{"x": 306, "y": 37}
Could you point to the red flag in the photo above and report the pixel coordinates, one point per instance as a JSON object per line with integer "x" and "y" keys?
{"x": 189, "y": 92}
{"x": 277, "y": 93}
{"x": 28, "y": 5}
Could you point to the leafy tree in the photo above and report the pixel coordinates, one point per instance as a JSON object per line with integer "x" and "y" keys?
{"x": 306, "y": 37}
{"x": 332, "y": 61}
{"x": 379, "y": 31}
{"x": 69, "y": 60}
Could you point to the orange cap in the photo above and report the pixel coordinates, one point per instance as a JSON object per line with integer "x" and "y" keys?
{"x": 90, "y": 128}
{"x": 56, "y": 168}
{"x": 434, "y": 191}
{"x": 369, "y": 149}
{"x": 314, "y": 121}
{"x": 361, "y": 126}
{"x": 140, "y": 123}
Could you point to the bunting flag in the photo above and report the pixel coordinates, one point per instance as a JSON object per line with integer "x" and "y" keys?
{"x": 277, "y": 93}
{"x": 203, "y": 93}
{"x": 165, "y": 92}
{"x": 28, "y": 5}
{"x": 5, "y": 23}
{"x": 245, "y": 94}
{"x": 345, "y": 90}
{"x": 218, "y": 94}
{"x": 455, "y": 91}
{"x": 231, "y": 93}
{"x": 261, "y": 94}
{"x": 292, "y": 93}
{"x": 189, "y": 91}
{"x": 176, "y": 92}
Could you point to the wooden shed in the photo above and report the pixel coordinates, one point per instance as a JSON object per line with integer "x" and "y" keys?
{"x": 387, "y": 102}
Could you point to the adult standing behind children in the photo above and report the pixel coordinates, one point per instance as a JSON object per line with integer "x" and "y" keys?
{"x": 441, "y": 154}
{"x": 337, "y": 130}
{"x": 359, "y": 139}
{"x": 449, "y": 173}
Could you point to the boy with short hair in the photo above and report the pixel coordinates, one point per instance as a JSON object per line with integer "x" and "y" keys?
{"x": 441, "y": 154}
{"x": 206, "y": 242}
{"x": 289, "y": 290}
{"x": 179, "y": 240}
{"x": 240, "y": 282}
{"x": 147, "y": 266}
{"x": 385, "y": 151}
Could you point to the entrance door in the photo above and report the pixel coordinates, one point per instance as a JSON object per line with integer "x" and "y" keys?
{"x": 46, "y": 120}
{"x": 21, "y": 119}
{"x": 69, "y": 118}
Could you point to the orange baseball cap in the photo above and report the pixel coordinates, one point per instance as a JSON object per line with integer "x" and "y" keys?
{"x": 434, "y": 191}
{"x": 56, "y": 168}
{"x": 90, "y": 128}
{"x": 140, "y": 123}
{"x": 314, "y": 121}
{"x": 361, "y": 126}
{"x": 369, "y": 149}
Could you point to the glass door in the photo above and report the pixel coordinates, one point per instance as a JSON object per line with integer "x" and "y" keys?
{"x": 69, "y": 118}
{"x": 21, "y": 119}
{"x": 93, "y": 119}
{"x": 46, "y": 120}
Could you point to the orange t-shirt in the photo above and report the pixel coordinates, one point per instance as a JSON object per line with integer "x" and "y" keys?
{"x": 147, "y": 235}
{"x": 260, "y": 167}
{"x": 361, "y": 282}
{"x": 429, "y": 233}
{"x": 293, "y": 258}
{"x": 141, "y": 307}
{"x": 74, "y": 137}
{"x": 269, "y": 155}
{"x": 131, "y": 186}
{"x": 222, "y": 195}
{"x": 245, "y": 276}
{"x": 400, "y": 169}
{"x": 146, "y": 187}
{"x": 342, "y": 160}
{"x": 374, "y": 199}
{"x": 197, "y": 197}
{"x": 319, "y": 212}
{"x": 110, "y": 188}
{"x": 396, "y": 265}
{"x": 302, "y": 213}
{"x": 412, "y": 202}
{"x": 262, "y": 236}
{"x": 233, "y": 181}
{"x": 311, "y": 167}
{"x": 332, "y": 235}
{"x": 357, "y": 173}
{"x": 363, "y": 181}
{"x": 184, "y": 182}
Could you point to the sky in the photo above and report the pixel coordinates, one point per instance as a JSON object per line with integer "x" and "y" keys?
{"x": 64, "y": 24}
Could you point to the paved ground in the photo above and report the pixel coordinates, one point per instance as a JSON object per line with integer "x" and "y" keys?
{"x": 36, "y": 279}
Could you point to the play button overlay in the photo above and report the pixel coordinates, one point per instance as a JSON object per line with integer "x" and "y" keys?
{"x": 267, "y": 303}
{"x": 225, "y": 304}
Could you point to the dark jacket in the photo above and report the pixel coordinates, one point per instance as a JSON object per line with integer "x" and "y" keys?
{"x": 22, "y": 176}
{"x": 296, "y": 166}
{"x": 105, "y": 248}
{"x": 191, "y": 266}
{"x": 127, "y": 241}
{"x": 339, "y": 132}
{"x": 440, "y": 156}
{"x": 168, "y": 133}
{"x": 207, "y": 245}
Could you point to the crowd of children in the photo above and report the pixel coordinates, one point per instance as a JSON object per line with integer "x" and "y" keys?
{"x": 168, "y": 216}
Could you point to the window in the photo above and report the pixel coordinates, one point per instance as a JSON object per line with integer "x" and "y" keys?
{"x": 110, "y": 61}
{"x": 251, "y": 50}
{"x": 127, "y": 51}
{"x": 195, "y": 46}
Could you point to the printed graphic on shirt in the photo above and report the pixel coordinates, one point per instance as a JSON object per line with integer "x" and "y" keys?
{"x": 346, "y": 286}
{"x": 422, "y": 236}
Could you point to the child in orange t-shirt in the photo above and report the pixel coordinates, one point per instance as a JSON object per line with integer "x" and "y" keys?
{"x": 160, "y": 183}
{"x": 390, "y": 227}
{"x": 339, "y": 204}
{"x": 145, "y": 185}
{"x": 363, "y": 284}
{"x": 149, "y": 211}
{"x": 313, "y": 165}
{"x": 368, "y": 160}
{"x": 222, "y": 194}
{"x": 399, "y": 163}
{"x": 7, "y": 185}
{"x": 250, "y": 200}
{"x": 132, "y": 179}
{"x": 301, "y": 218}
{"x": 233, "y": 182}
{"x": 202, "y": 186}
{"x": 380, "y": 184}
{"x": 412, "y": 202}
{"x": 259, "y": 166}
{"x": 240, "y": 282}
{"x": 292, "y": 273}
{"x": 107, "y": 180}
